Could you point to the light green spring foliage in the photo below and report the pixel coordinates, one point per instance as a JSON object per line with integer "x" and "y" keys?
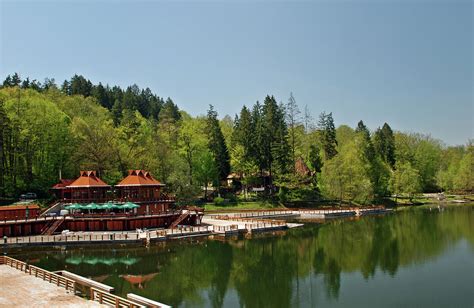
{"x": 43, "y": 134}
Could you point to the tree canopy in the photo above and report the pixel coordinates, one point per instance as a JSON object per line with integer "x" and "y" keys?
{"x": 48, "y": 131}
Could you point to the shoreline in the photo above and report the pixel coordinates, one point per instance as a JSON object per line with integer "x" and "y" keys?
{"x": 216, "y": 224}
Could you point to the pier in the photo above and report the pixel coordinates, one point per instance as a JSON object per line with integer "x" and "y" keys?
{"x": 212, "y": 224}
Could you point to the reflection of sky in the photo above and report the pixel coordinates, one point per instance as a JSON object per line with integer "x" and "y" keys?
{"x": 106, "y": 261}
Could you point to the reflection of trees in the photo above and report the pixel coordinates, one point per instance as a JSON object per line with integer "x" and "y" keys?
{"x": 265, "y": 272}
{"x": 223, "y": 262}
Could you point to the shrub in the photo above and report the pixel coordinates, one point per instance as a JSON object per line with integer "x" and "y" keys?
{"x": 219, "y": 201}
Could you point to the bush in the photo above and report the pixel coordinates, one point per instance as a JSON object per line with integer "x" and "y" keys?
{"x": 231, "y": 197}
{"x": 283, "y": 194}
{"x": 219, "y": 201}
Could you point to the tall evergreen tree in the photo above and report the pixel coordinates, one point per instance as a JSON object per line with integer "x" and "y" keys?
{"x": 384, "y": 143}
{"x": 243, "y": 132}
{"x": 328, "y": 134}
{"x": 80, "y": 86}
{"x": 276, "y": 147}
{"x": 217, "y": 145}
{"x": 293, "y": 119}
{"x": 368, "y": 150}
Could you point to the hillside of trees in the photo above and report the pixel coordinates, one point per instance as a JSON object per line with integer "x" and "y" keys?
{"x": 47, "y": 130}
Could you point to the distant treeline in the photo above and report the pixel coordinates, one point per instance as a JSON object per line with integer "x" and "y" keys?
{"x": 47, "y": 130}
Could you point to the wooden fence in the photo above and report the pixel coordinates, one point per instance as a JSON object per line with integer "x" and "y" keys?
{"x": 100, "y": 296}
{"x": 111, "y": 300}
{"x": 73, "y": 238}
{"x": 228, "y": 228}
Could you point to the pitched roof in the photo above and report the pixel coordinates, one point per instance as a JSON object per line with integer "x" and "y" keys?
{"x": 63, "y": 183}
{"x": 139, "y": 178}
{"x": 88, "y": 179}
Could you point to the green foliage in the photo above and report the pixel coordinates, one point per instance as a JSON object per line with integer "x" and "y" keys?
{"x": 46, "y": 131}
{"x": 205, "y": 170}
{"x": 345, "y": 178}
{"x": 219, "y": 201}
{"x": 315, "y": 160}
{"x": 217, "y": 145}
{"x": 384, "y": 144}
{"x": 283, "y": 194}
{"x": 328, "y": 134}
{"x": 405, "y": 180}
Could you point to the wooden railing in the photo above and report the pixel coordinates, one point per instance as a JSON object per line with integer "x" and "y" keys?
{"x": 101, "y": 296}
{"x": 58, "y": 280}
{"x": 108, "y": 299}
{"x": 227, "y": 228}
{"x": 72, "y": 238}
{"x": 252, "y": 214}
{"x": 263, "y": 225}
{"x": 53, "y": 278}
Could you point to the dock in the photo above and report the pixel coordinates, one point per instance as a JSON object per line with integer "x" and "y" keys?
{"x": 230, "y": 223}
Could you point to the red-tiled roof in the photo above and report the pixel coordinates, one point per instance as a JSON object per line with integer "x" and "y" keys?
{"x": 88, "y": 179}
{"x": 18, "y": 207}
{"x": 63, "y": 183}
{"x": 139, "y": 178}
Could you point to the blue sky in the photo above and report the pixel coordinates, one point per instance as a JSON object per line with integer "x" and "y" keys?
{"x": 408, "y": 63}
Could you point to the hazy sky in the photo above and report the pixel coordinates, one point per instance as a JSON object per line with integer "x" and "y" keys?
{"x": 408, "y": 63}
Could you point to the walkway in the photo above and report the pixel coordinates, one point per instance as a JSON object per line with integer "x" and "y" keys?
{"x": 22, "y": 290}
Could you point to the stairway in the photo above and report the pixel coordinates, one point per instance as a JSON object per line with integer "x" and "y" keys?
{"x": 179, "y": 220}
{"x": 52, "y": 226}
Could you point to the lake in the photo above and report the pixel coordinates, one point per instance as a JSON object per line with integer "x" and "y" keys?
{"x": 412, "y": 258}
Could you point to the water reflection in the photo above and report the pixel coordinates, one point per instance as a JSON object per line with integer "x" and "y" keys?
{"x": 273, "y": 271}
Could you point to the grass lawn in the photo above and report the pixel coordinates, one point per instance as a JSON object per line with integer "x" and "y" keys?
{"x": 253, "y": 205}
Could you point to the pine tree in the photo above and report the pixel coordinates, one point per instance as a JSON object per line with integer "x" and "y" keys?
{"x": 16, "y": 80}
{"x": 259, "y": 137}
{"x": 328, "y": 134}
{"x": 275, "y": 132}
{"x": 368, "y": 150}
{"x": 293, "y": 119}
{"x": 217, "y": 145}
{"x": 243, "y": 133}
{"x": 384, "y": 143}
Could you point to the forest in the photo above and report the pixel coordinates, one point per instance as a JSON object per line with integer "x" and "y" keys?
{"x": 48, "y": 131}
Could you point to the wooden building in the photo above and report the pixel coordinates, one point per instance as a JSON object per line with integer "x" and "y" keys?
{"x": 88, "y": 187}
{"x": 142, "y": 188}
{"x": 12, "y": 212}
{"x": 138, "y": 186}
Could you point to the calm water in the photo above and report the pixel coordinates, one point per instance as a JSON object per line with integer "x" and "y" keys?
{"x": 417, "y": 258}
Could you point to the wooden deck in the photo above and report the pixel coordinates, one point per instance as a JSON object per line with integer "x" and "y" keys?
{"x": 31, "y": 286}
{"x": 19, "y": 289}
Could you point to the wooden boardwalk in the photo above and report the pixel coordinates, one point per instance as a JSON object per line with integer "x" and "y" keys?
{"x": 24, "y": 285}
{"x": 19, "y": 289}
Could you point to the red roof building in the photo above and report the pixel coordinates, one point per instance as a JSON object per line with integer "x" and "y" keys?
{"x": 139, "y": 186}
{"x": 86, "y": 188}
{"x": 8, "y": 212}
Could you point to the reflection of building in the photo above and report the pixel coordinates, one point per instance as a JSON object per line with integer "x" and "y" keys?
{"x": 139, "y": 280}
